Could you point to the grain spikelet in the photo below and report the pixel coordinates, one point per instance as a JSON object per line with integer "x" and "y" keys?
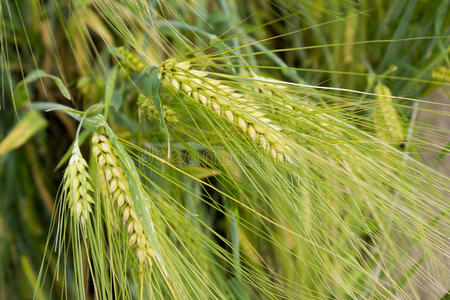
{"x": 219, "y": 98}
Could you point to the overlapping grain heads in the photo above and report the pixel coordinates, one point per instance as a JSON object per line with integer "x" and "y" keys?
{"x": 219, "y": 98}
{"x": 117, "y": 187}
{"x": 335, "y": 158}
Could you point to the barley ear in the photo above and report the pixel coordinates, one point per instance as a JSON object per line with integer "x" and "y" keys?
{"x": 119, "y": 193}
{"x": 150, "y": 111}
{"x": 229, "y": 104}
{"x": 387, "y": 123}
{"x": 130, "y": 60}
{"x": 77, "y": 187}
{"x": 442, "y": 74}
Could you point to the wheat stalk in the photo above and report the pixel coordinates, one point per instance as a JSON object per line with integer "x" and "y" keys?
{"x": 77, "y": 188}
{"x": 118, "y": 189}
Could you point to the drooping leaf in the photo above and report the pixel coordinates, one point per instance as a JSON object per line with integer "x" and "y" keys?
{"x": 26, "y": 128}
{"x": 37, "y": 74}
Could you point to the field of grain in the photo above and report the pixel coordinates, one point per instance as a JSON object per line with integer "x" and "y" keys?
{"x": 224, "y": 149}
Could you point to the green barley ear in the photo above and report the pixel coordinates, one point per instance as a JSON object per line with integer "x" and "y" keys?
{"x": 387, "y": 123}
{"x": 150, "y": 111}
{"x": 442, "y": 74}
{"x": 119, "y": 193}
{"x": 74, "y": 219}
{"x": 227, "y": 103}
{"x": 77, "y": 188}
{"x": 130, "y": 61}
